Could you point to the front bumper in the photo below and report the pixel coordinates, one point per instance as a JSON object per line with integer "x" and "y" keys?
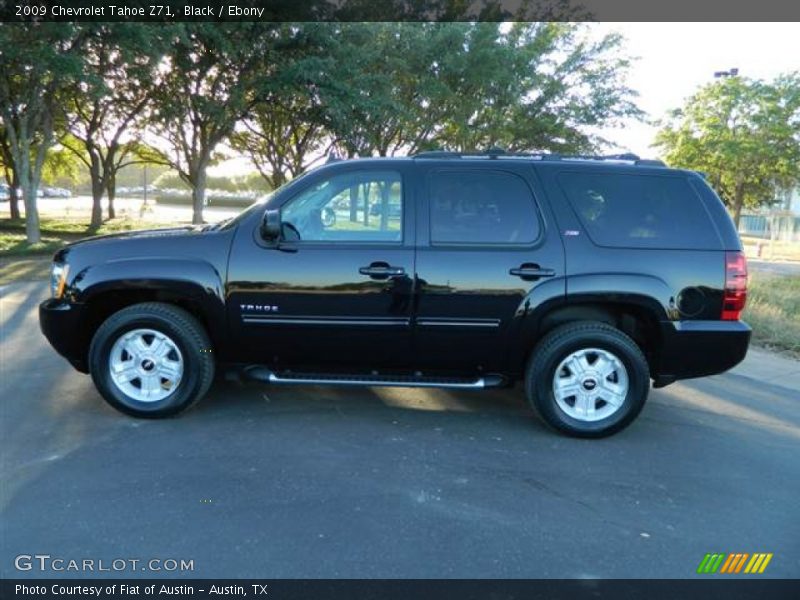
{"x": 61, "y": 323}
{"x": 699, "y": 348}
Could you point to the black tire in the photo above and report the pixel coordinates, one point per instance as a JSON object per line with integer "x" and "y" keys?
{"x": 187, "y": 334}
{"x": 559, "y": 344}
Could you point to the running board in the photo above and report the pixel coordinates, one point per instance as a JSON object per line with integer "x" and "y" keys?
{"x": 260, "y": 373}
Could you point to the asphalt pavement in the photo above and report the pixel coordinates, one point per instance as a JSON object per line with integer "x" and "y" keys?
{"x": 317, "y": 481}
{"x": 773, "y": 267}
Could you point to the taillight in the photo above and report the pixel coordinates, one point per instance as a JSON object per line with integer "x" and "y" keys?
{"x": 735, "y": 296}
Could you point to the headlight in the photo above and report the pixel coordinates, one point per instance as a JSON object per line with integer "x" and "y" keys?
{"x": 58, "y": 279}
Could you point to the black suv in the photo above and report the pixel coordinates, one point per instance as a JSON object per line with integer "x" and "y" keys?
{"x": 583, "y": 277}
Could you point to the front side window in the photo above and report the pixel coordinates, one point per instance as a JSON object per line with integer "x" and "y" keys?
{"x": 481, "y": 207}
{"x": 358, "y": 206}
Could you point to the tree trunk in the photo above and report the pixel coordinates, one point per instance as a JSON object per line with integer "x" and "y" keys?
{"x": 97, "y": 194}
{"x": 353, "y": 204}
{"x": 29, "y": 175}
{"x": 366, "y": 190}
{"x": 738, "y": 201}
{"x": 97, "y": 208}
{"x": 198, "y": 196}
{"x": 13, "y": 203}
{"x": 13, "y": 195}
{"x": 32, "y": 232}
{"x": 278, "y": 178}
{"x": 111, "y": 192}
{"x": 384, "y": 188}
{"x": 29, "y": 187}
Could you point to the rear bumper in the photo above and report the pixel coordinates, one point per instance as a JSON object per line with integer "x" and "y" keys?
{"x": 699, "y": 348}
{"x": 60, "y": 323}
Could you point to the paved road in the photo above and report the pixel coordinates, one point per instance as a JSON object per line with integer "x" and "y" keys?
{"x": 334, "y": 482}
{"x": 773, "y": 268}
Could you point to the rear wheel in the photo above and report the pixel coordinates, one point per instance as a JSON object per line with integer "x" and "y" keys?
{"x": 151, "y": 360}
{"x": 587, "y": 379}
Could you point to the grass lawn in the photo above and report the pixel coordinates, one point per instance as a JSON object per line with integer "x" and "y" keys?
{"x": 57, "y": 232}
{"x": 773, "y": 311}
{"x": 775, "y": 250}
{"x": 24, "y": 269}
{"x": 15, "y": 244}
{"x": 78, "y": 226}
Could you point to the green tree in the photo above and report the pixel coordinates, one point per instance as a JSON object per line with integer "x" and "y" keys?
{"x": 9, "y": 174}
{"x": 380, "y": 84}
{"x": 535, "y": 87}
{"x": 36, "y": 61}
{"x": 393, "y": 87}
{"x": 285, "y": 129}
{"x": 61, "y": 164}
{"x": 279, "y": 138}
{"x": 743, "y": 133}
{"x": 119, "y": 63}
{"x": 214, "y": 76}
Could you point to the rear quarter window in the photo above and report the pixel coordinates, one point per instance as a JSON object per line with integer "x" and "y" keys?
{"x": 640, "y": 211}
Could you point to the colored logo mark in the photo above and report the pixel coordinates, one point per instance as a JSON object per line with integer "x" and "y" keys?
{"x": 735, "y": 562}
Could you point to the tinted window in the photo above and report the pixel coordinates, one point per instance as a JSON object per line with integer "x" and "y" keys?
{"x": 639, "y": 211}
{"x": 481, "y": 207}
{"x": 361, "y": 206}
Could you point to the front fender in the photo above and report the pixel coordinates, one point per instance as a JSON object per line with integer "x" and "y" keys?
{"x": 194, "y": 281}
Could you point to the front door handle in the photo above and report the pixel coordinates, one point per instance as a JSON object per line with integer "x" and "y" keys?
{"x": 382, "y": 270}
{"x": 531, "y": 272}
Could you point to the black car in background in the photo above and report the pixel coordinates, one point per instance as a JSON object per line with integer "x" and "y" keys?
{"x": 584, "y": 278}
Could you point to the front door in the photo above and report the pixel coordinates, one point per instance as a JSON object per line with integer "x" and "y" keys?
{"x": 335, "y": 294}
{"x": 482, "y": 253}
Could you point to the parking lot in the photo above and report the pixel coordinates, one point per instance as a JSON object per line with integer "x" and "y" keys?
{"x": 133, "y": 208}
{"x": 261, "y": 481}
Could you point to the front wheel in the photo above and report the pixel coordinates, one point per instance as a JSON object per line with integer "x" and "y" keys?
{"x": 587, "y": 379}
{"x": 151, "y": 360}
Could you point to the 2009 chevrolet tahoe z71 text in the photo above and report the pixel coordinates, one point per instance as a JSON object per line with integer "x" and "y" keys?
{"x": 584, "y": 277}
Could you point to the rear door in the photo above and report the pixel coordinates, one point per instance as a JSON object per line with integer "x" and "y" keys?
{"x": 484, "y": 245}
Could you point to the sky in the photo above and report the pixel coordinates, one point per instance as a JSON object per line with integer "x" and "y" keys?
{"x": 673, "y": 60}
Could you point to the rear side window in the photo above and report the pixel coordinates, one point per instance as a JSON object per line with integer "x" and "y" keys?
{"x": 481, "y": 207}
{"x": 640, "y": 211}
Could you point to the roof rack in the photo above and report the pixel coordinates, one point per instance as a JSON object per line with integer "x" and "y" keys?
{"x": 495, "y": 153}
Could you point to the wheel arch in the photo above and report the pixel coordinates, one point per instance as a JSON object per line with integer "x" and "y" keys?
{"x": 636, "y": 317}
{"x": 194, "y": 286}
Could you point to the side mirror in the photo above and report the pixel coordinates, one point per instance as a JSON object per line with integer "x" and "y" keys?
{"x": 271, "y": 225}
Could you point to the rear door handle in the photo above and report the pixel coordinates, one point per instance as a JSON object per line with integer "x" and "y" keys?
{"x": 531, "y": 272}
{"x": 382, "y": 270}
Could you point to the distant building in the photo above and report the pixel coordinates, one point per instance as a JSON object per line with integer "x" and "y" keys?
{"x": 781, "y": 221}
{"x": 790, "y": 200}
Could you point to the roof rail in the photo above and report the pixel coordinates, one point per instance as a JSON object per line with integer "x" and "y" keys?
{"x": 495, "y": 153}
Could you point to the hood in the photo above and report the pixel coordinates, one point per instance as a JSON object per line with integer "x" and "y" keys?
{"x": 144, "y": 233}
{"x": 129, "y": 237}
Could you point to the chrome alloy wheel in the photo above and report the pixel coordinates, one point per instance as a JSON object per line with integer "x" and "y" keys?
{"x": 590, "y": 384}
{"x": 145, "y": 365}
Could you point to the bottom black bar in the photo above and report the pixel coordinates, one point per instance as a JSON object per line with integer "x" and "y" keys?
{"x": 391, "y": 589}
